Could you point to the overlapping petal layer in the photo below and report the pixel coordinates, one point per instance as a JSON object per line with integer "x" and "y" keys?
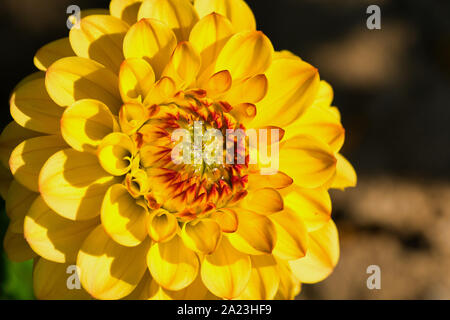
{"x": 93, "y": 189}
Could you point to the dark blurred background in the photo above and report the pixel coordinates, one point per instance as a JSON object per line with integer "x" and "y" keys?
{"x": 393, "y": 89}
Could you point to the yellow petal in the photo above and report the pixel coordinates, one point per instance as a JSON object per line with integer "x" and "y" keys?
{"x": 202, "y": 236}
{"x": 184, "y": 65}
{"x": 227, "y": 219}
{"x": 116, "y": 153}
{"x": 109, "y": 270}
{"x": 209, "y": 36}
{"x": 285, "y": 54}
{"x": 179, "y": 15}
{"x": 136, "y": 78}
{"x": 51, "y": 52}
{"x": 345, "y": 174}
{"x": 313, "y": 206}
{"x": 246, "y": 54}
{"x": 85, "y": 123}
{"x": 255, "y": 234}
{"x": 278, "y": 180}
{"x": 100, "y": 38}
{"x": 16, "y": 247}
{"x": 227, "y": 271}
{"x": 73, "y": 184}
{"x": 244, "y": 112}
{"x": 152, "y": 40}
{"x": 164, "y": 89}
{"x": 264, "y": 280}
{"x": 172, "y": 264}
{"x": 11, "y": 137}
{"x": 126, "y": 10}
{"x": 51, "y": 279}
{"x": 321, "y": 257}
{"x": 18, "y": 202}
{"x": 263, "y": 201}
{"x": 307, "y": 160}
{"x": 289, "y": 286}
{"x": 321, "y": 123}
{"x": 325, "y": 95}
{"x": 237, "y": 11}
{"x": 131, "y": 117}
{"x": 32, "y": 108}
{"x": 292, "y": 236}
{"x": 162, "y": 225}
{"x": 195, "y": 291}
{"x": 27, "y": 159}
{"x": 74, "y": 78}
{"x": 219, "y": 83}
{"x": 293, "y": 85}
{"x": 53, "y": 237}
{"x": 123, "y": 220}
{"x": 252, "y": 90}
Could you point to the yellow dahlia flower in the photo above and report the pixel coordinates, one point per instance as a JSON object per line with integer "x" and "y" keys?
{"x": 89, "y": 177}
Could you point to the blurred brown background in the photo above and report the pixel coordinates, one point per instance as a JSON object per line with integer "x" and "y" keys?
{"x": 393, "y": 88}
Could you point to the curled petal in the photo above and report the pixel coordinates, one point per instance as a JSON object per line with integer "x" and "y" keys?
{"x": 162, "y": 225}
{"x": 202, "y": 236}
{"x": 219, "y": 83}
{"x": 131, "y": 117}
{"x": 123, "y": 219}
{"x": 85, "y": 123}
{"x": 227, "y": 219}
{"x": 116, "y": 153}
{"x": 136, "y": 78}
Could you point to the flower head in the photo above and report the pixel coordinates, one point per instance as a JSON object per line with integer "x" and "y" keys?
{"x": 125, "y": 158}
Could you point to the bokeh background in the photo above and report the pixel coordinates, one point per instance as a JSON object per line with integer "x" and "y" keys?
{"x": 393, "y": 88}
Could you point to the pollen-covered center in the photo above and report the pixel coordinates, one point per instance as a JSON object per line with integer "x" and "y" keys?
{"x": 186, "y": 157}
